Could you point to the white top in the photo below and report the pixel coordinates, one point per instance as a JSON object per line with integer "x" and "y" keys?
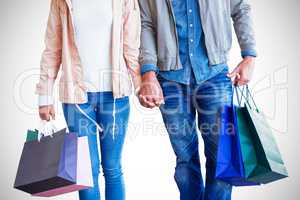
{"x": 93, "y": 34}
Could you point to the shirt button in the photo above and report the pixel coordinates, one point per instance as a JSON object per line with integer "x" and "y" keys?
{"x": 191, "y": 40}
{"x": 191, "y": 25}
{"x": 190, "y": 10}
{"x": 191, "y": 55}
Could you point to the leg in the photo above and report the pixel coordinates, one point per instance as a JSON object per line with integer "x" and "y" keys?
{"x": 111, "y": 143}
{"x": 78, "y": 123}
{"x": 209, "y": 98}
{"x": 179, "y": 118}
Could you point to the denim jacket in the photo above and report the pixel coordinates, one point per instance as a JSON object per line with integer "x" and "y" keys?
{"x": 159, "y": 40}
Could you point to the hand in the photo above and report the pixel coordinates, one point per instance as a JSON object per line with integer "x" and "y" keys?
{"x": 150, "y": 94}
{"x": 46, "y": 112}
{"x": 242, "y": 74}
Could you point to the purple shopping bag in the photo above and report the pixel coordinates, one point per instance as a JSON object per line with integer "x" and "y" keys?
{"x": 48, "y": 164}
{"x": 84, "y": 178}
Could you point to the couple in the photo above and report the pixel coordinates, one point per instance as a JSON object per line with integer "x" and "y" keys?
{"x": 175, "y": 52}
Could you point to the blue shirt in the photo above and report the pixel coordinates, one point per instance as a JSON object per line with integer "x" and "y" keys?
{"x": 192, "y": 50}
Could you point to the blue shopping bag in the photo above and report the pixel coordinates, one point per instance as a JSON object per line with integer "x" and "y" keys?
{"x": 229, "y": 166}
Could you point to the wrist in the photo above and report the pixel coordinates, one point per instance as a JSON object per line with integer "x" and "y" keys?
{"x": 149, "y": 68}
{"x": 45, "y": 100}
{"x": 44, "y": 106}
{"x": 150, "y": 75}
{"x": 249, "y": 58}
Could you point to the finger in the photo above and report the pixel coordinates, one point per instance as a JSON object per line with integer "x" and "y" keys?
{"x": 52, "y": 113}
{"x": 157, "y": 100}
{"x": 150, "y": 100}
{"x": 151, "y": 106}
{"x": 161, "y": 99}
{"x": 142, "y": 101}
{"x": 160, "y": 102}
{"x": 243, "y": 79}
{"x": 47, "y": 118}
{"x": 41, "y": 116}
{"x": 143, "y": 104}
{"x": 44, "y": 116}
{"x": 157, "y": 103}
{"x": 241, "y": 83}
{"x": 235, "y": 82}
{"x": 232, "y": 74}
{"x": 147, "y": 103}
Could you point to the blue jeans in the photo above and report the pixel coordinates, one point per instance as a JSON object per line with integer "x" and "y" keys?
{"x": 182, "y": 102}
{"x": 100, "y": 108}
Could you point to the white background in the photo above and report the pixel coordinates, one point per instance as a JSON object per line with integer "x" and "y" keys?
{"x": 148, "y": 158}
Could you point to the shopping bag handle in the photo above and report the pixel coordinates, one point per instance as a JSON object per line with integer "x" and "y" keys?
{"x": 245, "y": 96}
{"x": 46, "y": 128}
{"x": 240, "y": 96}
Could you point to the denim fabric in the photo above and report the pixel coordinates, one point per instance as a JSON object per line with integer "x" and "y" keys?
{"x": 192, "y": 51}
{"x": 182, "y": 103}
{"x": 100, "y": 108}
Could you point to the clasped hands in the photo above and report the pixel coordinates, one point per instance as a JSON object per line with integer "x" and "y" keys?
{"x": 151, "y": 95}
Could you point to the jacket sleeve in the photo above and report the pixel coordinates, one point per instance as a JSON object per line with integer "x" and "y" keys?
{"x": 242, "y": 22}
{"x": 131, "y": 43}
{"x": 148, "y": 51}
{"x": 51, "y": 56}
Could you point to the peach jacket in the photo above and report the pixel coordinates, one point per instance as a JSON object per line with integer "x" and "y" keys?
{"x": 61, "y": 52}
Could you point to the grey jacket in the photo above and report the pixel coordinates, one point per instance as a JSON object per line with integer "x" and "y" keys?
{"x": 159, "y": 41}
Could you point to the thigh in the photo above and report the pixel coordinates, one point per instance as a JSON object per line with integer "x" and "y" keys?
{"x": 179, "y": 117}
{"x": 77, "y": 121}
{"x": 209, "y": 98}
{"x": 113, "y": 117}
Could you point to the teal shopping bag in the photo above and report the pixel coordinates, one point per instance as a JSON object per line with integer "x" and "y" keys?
{"x": 261, "y": 156}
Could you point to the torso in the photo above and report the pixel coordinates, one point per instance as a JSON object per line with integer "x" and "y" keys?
{"x": 93, "y": 36}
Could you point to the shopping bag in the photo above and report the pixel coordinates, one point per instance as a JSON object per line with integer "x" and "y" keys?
{"x": 247, "y": 143}
{"x": 262, "y": 159}
{"x": 84, "y": 178}
{"x": 32, "y": 135}
{"x": 229, "y": 165}
{"x": 48, "y": 163}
